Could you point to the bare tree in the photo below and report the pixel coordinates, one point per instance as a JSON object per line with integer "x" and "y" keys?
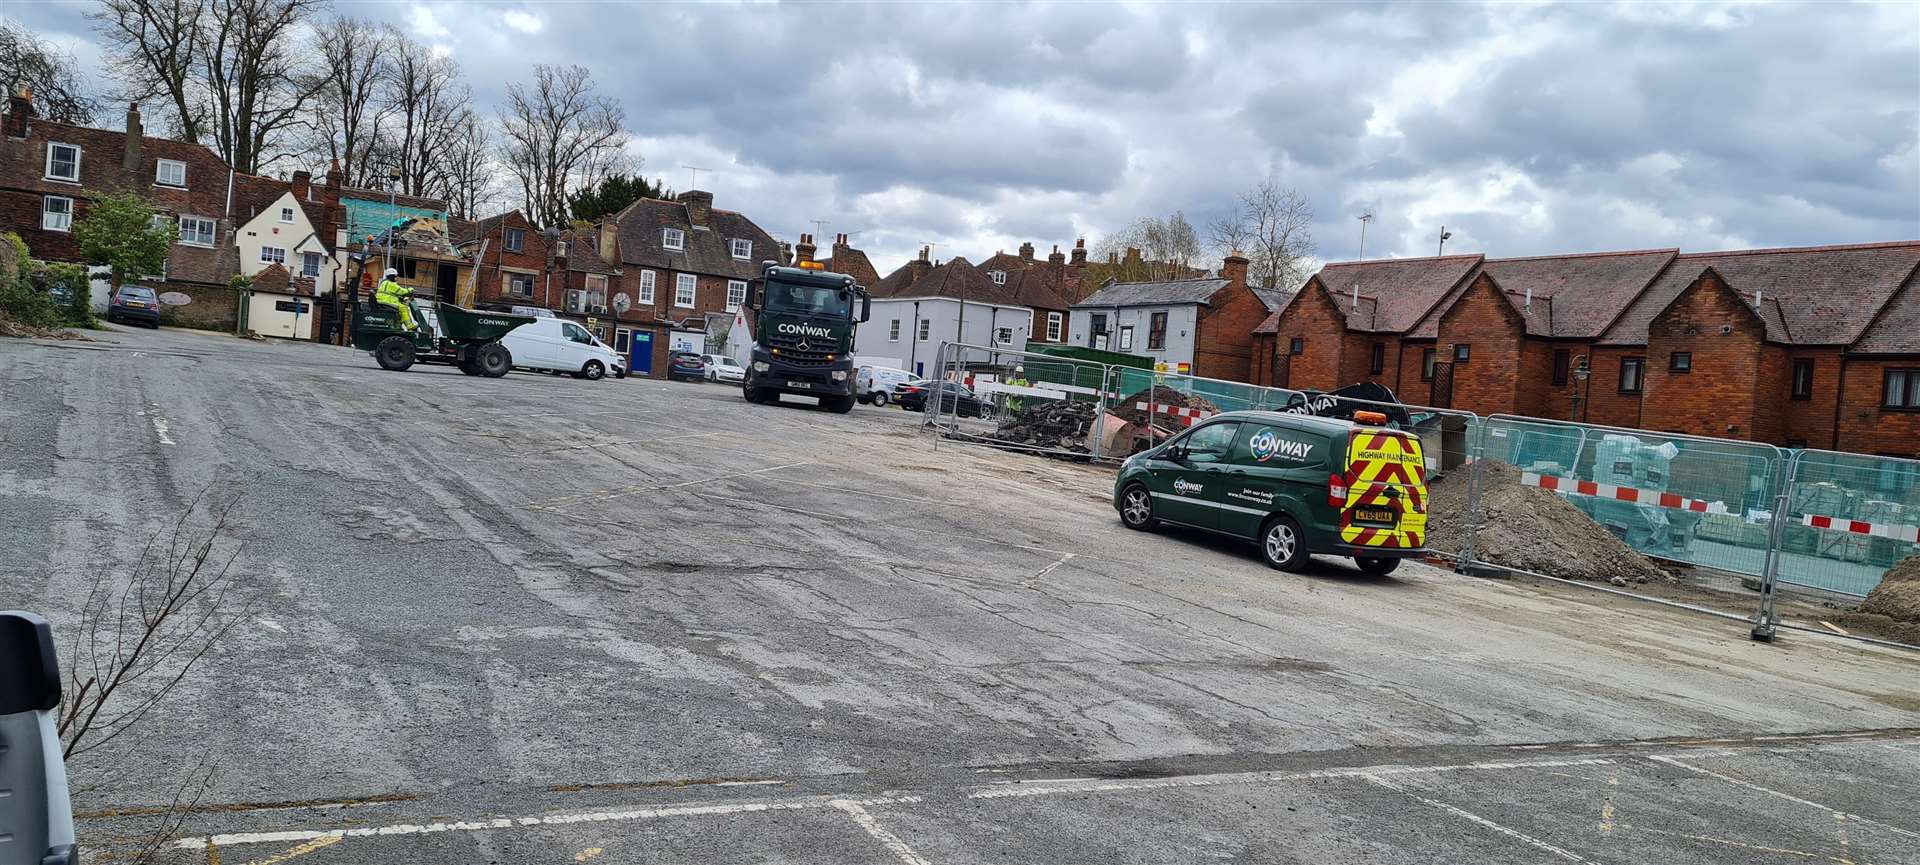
{"x": 1273, "y": 228}
{"x": 251, "y": 63}
{"x": 1150, "y": 248}
{"x": 160, "y": 41}
{"x": 28, "y": 61}
{"x": 467, "y": 176}
{"x": 554, "y": 133}
{"x": 424, "y": 105}
{"x": 353, "y": 72}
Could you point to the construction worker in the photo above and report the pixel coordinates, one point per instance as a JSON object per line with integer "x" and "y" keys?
{"x": 394, "y": 294}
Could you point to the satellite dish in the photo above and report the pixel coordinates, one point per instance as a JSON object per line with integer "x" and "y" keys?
{"x": 175, "y": 298}
{"x": 621, "y": 303}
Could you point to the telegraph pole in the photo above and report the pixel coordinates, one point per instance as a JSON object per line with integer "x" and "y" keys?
{"x": 1364, "y": 219}
{"x": 1444, "y": 234}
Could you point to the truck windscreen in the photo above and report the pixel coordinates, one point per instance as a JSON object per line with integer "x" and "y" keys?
{"x": 812, "y": 300}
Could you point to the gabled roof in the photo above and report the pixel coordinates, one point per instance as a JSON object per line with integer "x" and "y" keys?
{"x": 708, "y": 248}
{"x": 1272, "y": 298}
{"x": 1168, "y": 293}
{"x": 254, "y": 195}
{"x": 1395, "y": 293}
{"x": 583, "y": 251}
{"x": 854, "y": 263}
{"x": 955, "y": 278}
{"x": 1897, "y": 329}
{"x": 276, "y": 279}
{"x": 1816, "y": 295}
{"x": 1039, "y": 288}
{"x": 1574, "y": 296}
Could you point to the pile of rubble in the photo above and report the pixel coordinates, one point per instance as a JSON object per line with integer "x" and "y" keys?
{"x": 9, "y": 327}
{"x": 1892, "y": 609}
{"x": 1530, "y": 529}
{"x": 1046, "y": 423}
{"x": 1128, "y": 409}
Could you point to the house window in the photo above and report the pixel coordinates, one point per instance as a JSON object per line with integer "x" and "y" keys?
{"x": 170, "y": 172}
{"x": 925, "y": 327}
{"x": 1462, "y": 352}
{"x": 160, "y": 222}
{"x": 516, "y": 239}
{"x": 1562, "y": 365}
{"x": 683, "y": 289}
{"x": 1157, "y": 331}
{"x": 56, "y": 213}
{"x": 742, "y": 248}
{"x": 646, "y": 287}
{"x": 286, "y": 214}
{"x": 520, "y": 284}
{"x": 1428, "y": 359}
{"x": 63, "y": 162}
{"x": 1803, "y": 378}
{"x": 1055, "y": 321}
{"x": 893, "y": 330}
{"x": 560, "y": 249}
{"x": 1379, "y": 364}
{"x": 597, "y": 289}
{"x": 673, "y": 238}
{"x": 273, "y": 255}
{"x": 1297, "y": 346}
{"x": 196, "y": 231}
{"x": 1632, "y": 370}
{"x": 1126, "y": 337}
{"x": 622, "y": 339}
{"x": 736, "y": 294}
{"x": 409, "y": 268}
{"x": 1003, "y": 335}
{"x": 999, "y": 276}
{"x": 1680, "y": 361}
{"x": 310, "y": 263}
{"x": 1901, "y": 389}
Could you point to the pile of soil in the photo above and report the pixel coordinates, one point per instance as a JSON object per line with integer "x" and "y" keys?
{"x": 1892, "y": 609}
{"x": 1530, "y": 529}
{"x": 9, "y": 327}
{"x": 1159, "y": 394}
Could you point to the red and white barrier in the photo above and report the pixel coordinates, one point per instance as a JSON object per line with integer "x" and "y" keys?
{"x": 1192, "y": 415}
{"x": 1910, "y": 534}
{"x": 1625, "y": 494}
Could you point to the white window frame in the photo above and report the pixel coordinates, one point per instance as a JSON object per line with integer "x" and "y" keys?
{"x": 1055, "y": 323}
{"x": 160, "y": 167}
{"x": 273, "y": 255}
{"x": 893, "y": 331}
{"x": 735, "y": 247}
{"x": 686, "y": 285}
{"x": 66, "y": 223}
{"x": 76, "y": 162}
{"x": 508, "y": 236}
{"x": 319, "y": 263}
{"x": 160, "y": 222}
{"x": 512, "y": 277}
{"x": 736, "y": 294}
{"x": 213, "y": 230}
{"x": 286, "y": 214}
{"x": 560, "y": 249}
{"x": 647, "y": 279}
{"x": 1126, "y": 337}
{"x": 926, "y": 329}
{"x": 673, "y": 238}
{"x": 999, "y": 276}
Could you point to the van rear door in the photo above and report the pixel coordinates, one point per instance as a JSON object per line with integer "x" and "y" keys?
{"x": 1386, "y": 495}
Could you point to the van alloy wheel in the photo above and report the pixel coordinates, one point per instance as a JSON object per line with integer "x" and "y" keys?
{"x": 1136, "y": 508}
{"x": 1281, "y": 545}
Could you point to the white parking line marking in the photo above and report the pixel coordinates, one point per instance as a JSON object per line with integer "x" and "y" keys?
{"x": 893, "y": 843}
{"x": 1670, "y": 761}
{"x": 160, "y": 429}
{"x": 1480, "y": 821}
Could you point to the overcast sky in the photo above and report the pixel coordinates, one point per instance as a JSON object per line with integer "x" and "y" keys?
{"x": 1524, "y": 129}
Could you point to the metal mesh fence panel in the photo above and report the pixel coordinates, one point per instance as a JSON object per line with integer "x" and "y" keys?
{"x": 1020, "y": 401}
{"x": 1848, "y": 518}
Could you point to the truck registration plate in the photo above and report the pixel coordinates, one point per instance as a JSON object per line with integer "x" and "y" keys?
{"x": 799, "y": 385}
{"x": 1375, "y": 515}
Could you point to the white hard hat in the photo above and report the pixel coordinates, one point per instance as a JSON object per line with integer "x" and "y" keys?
{"x": 391, "y": 272}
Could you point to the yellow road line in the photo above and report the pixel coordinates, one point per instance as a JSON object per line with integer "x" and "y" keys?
{"x": 297, "y": 852}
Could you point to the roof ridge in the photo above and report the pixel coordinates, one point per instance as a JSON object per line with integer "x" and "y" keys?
{"x": 1673, "y": 249}
{"x": 1464, "y": 255}
{"x": 1835, "y": 247}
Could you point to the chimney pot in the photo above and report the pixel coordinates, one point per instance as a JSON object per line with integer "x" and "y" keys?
{"x": 131, "y": 161}
{"x": 1234, "y": 268}
{"x": 1026, "y": 252}
{"x": 303, "y": 185}
{"x": 19, "y": 111}
{"x": 1080, "y": 252}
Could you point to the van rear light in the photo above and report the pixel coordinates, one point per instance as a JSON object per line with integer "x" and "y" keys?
{"x": 1337, "y": 491}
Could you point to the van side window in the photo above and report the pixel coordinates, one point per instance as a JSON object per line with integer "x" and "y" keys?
{"x": 577, "y": 333}
{"x": 1211, "y": 443}
{"x": 1275, "y": 447}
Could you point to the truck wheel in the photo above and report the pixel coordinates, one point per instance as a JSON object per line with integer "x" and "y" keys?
{"x": 467, "y": 367}
{"x": 1376, "y": 567}
{"x": 394, "y": 353}
{"x": 593, "y": 371}
{"x": 493, "y": 360}
{"x": 838, "y": 404}
{"x": 1282, "y": 544}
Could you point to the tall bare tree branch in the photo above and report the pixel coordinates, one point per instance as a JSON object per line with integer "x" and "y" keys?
{"x": 355, "y": 68}
{"x": 424, "y": 105}
{"x": 556, "y": 133}
{"x": 28, "y": 61}
{"x": 161, "y": 41}
{"x": 252, "y": 63}
{"x": 1273, "y": 227}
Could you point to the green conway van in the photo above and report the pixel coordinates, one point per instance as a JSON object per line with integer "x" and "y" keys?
{"x": 1295, "y": 484}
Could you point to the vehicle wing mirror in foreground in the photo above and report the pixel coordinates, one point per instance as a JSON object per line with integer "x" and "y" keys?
{"x": 866, "y": 308}
{"x": 36, "y": 817}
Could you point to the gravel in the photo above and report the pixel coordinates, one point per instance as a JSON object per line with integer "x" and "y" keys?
{"x": 1531, "y": 529}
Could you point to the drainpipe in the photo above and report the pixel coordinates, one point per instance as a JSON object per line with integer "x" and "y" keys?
{"x": 913, "y": 346}
{"x": 1839, "y": 399}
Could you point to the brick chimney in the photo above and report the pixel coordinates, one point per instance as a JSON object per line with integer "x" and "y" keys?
{"x": 1026, "y": 253}
{"x": 1058, "y": 257}
{"x": 1234, "y": 269}
{"x": 840, "y": 247}
{"x": 19, "y": 111}
{"x": 607, "y": 238}
{"x": 699, "y": 205}
{"x": 803, "y": 251}
{"x": 303, "y": 185}
{"x": 135, "y": 135}
{"x": 1080, "y": 252}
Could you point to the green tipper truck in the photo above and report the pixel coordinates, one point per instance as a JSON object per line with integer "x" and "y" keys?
{"x": 803, "y": 322}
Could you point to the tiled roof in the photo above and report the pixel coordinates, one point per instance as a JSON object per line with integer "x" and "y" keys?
{"x": 277, "y": 280}
{"x": 583, "y": 251}
{"x": 1166, "y": 293}
{"x": 854, "y": 263}
{"x": 1395, "y": 293}
{"x": 708, "y": 250}
{"x": 1822, "y": 295}
{"x": 1897, "y": 330}
{"x": 1272, "y": 298}
{"x": 254, "y": 194}
{"x": 955, "y": 278}
{"x": 1572, "y": 295}
{"x": 1039, "y": 288}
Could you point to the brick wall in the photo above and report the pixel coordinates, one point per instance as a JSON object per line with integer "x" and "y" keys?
{"x": 1605, "y": 404}
{"x": 1866, "y": 427}
{"x": 1771, "y": 388}
{"x": 1223, "y": 333}
{"x": 213, "y": 307}
{"x": 1314, "y": 319}
{"x": 1492, "y": 330}
{"x": 1406, "y": 381}
{"x": 498, "y": 263}
{"x": 1260, "y": 370}
{"x": 1812, "y": 419}
{"x": 1719, "y": 396}
{"x": 1356, "y": 358}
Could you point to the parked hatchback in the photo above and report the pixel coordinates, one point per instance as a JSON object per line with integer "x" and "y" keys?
{"x": 954, "y": 398}
{"x": 1295, "y": 484}
{"x": 686, "y": 366}
{"x": 136, "y": 304}
{"x": 722, "y": 368}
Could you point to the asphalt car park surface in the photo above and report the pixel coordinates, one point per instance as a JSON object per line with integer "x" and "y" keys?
{"x": 545, "y": 620}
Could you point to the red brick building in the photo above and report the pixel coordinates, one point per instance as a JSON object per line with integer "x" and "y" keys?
{"x": 510, "y": 263}
{"x": 1207, "y": 323}
{"x": 1048, "y": 287}
{"x": 1808, "y": 346}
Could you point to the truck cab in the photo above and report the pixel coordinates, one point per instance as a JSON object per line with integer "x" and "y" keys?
{"x": 803, "y": 326}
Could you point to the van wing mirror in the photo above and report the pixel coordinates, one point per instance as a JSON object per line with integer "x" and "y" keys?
{"x": 38, "y": 819}
{"x": 29, "y": 675}
{"x": 866, "y": 308}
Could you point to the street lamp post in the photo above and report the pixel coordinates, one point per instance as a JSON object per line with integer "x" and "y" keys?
{"x": 1580, "y": 373}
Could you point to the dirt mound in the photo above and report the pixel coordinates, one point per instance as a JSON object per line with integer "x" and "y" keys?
{"x": 1898, "y": 595}
{"x": 1531, "y": 529}
{"x": 1127, "y": 409}
{"x": 9, "y": 327}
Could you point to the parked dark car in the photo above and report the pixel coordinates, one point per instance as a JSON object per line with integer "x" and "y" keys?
{"x": 955, "y": 398}
{"x": 686, "y": 366}
{"x": 136, "y": 304}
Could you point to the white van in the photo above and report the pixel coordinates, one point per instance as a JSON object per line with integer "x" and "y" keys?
{"x": 875, "y": 384}
{"x": 560, "y": 346}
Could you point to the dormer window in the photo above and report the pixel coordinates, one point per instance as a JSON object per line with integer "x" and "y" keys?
{"x": 999, "y": 276}
{"x": 742, "y": 249}
{"x": 673, "y": 238}
{"x": 170, "y": 172}
{"x": 63, "y": 162}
